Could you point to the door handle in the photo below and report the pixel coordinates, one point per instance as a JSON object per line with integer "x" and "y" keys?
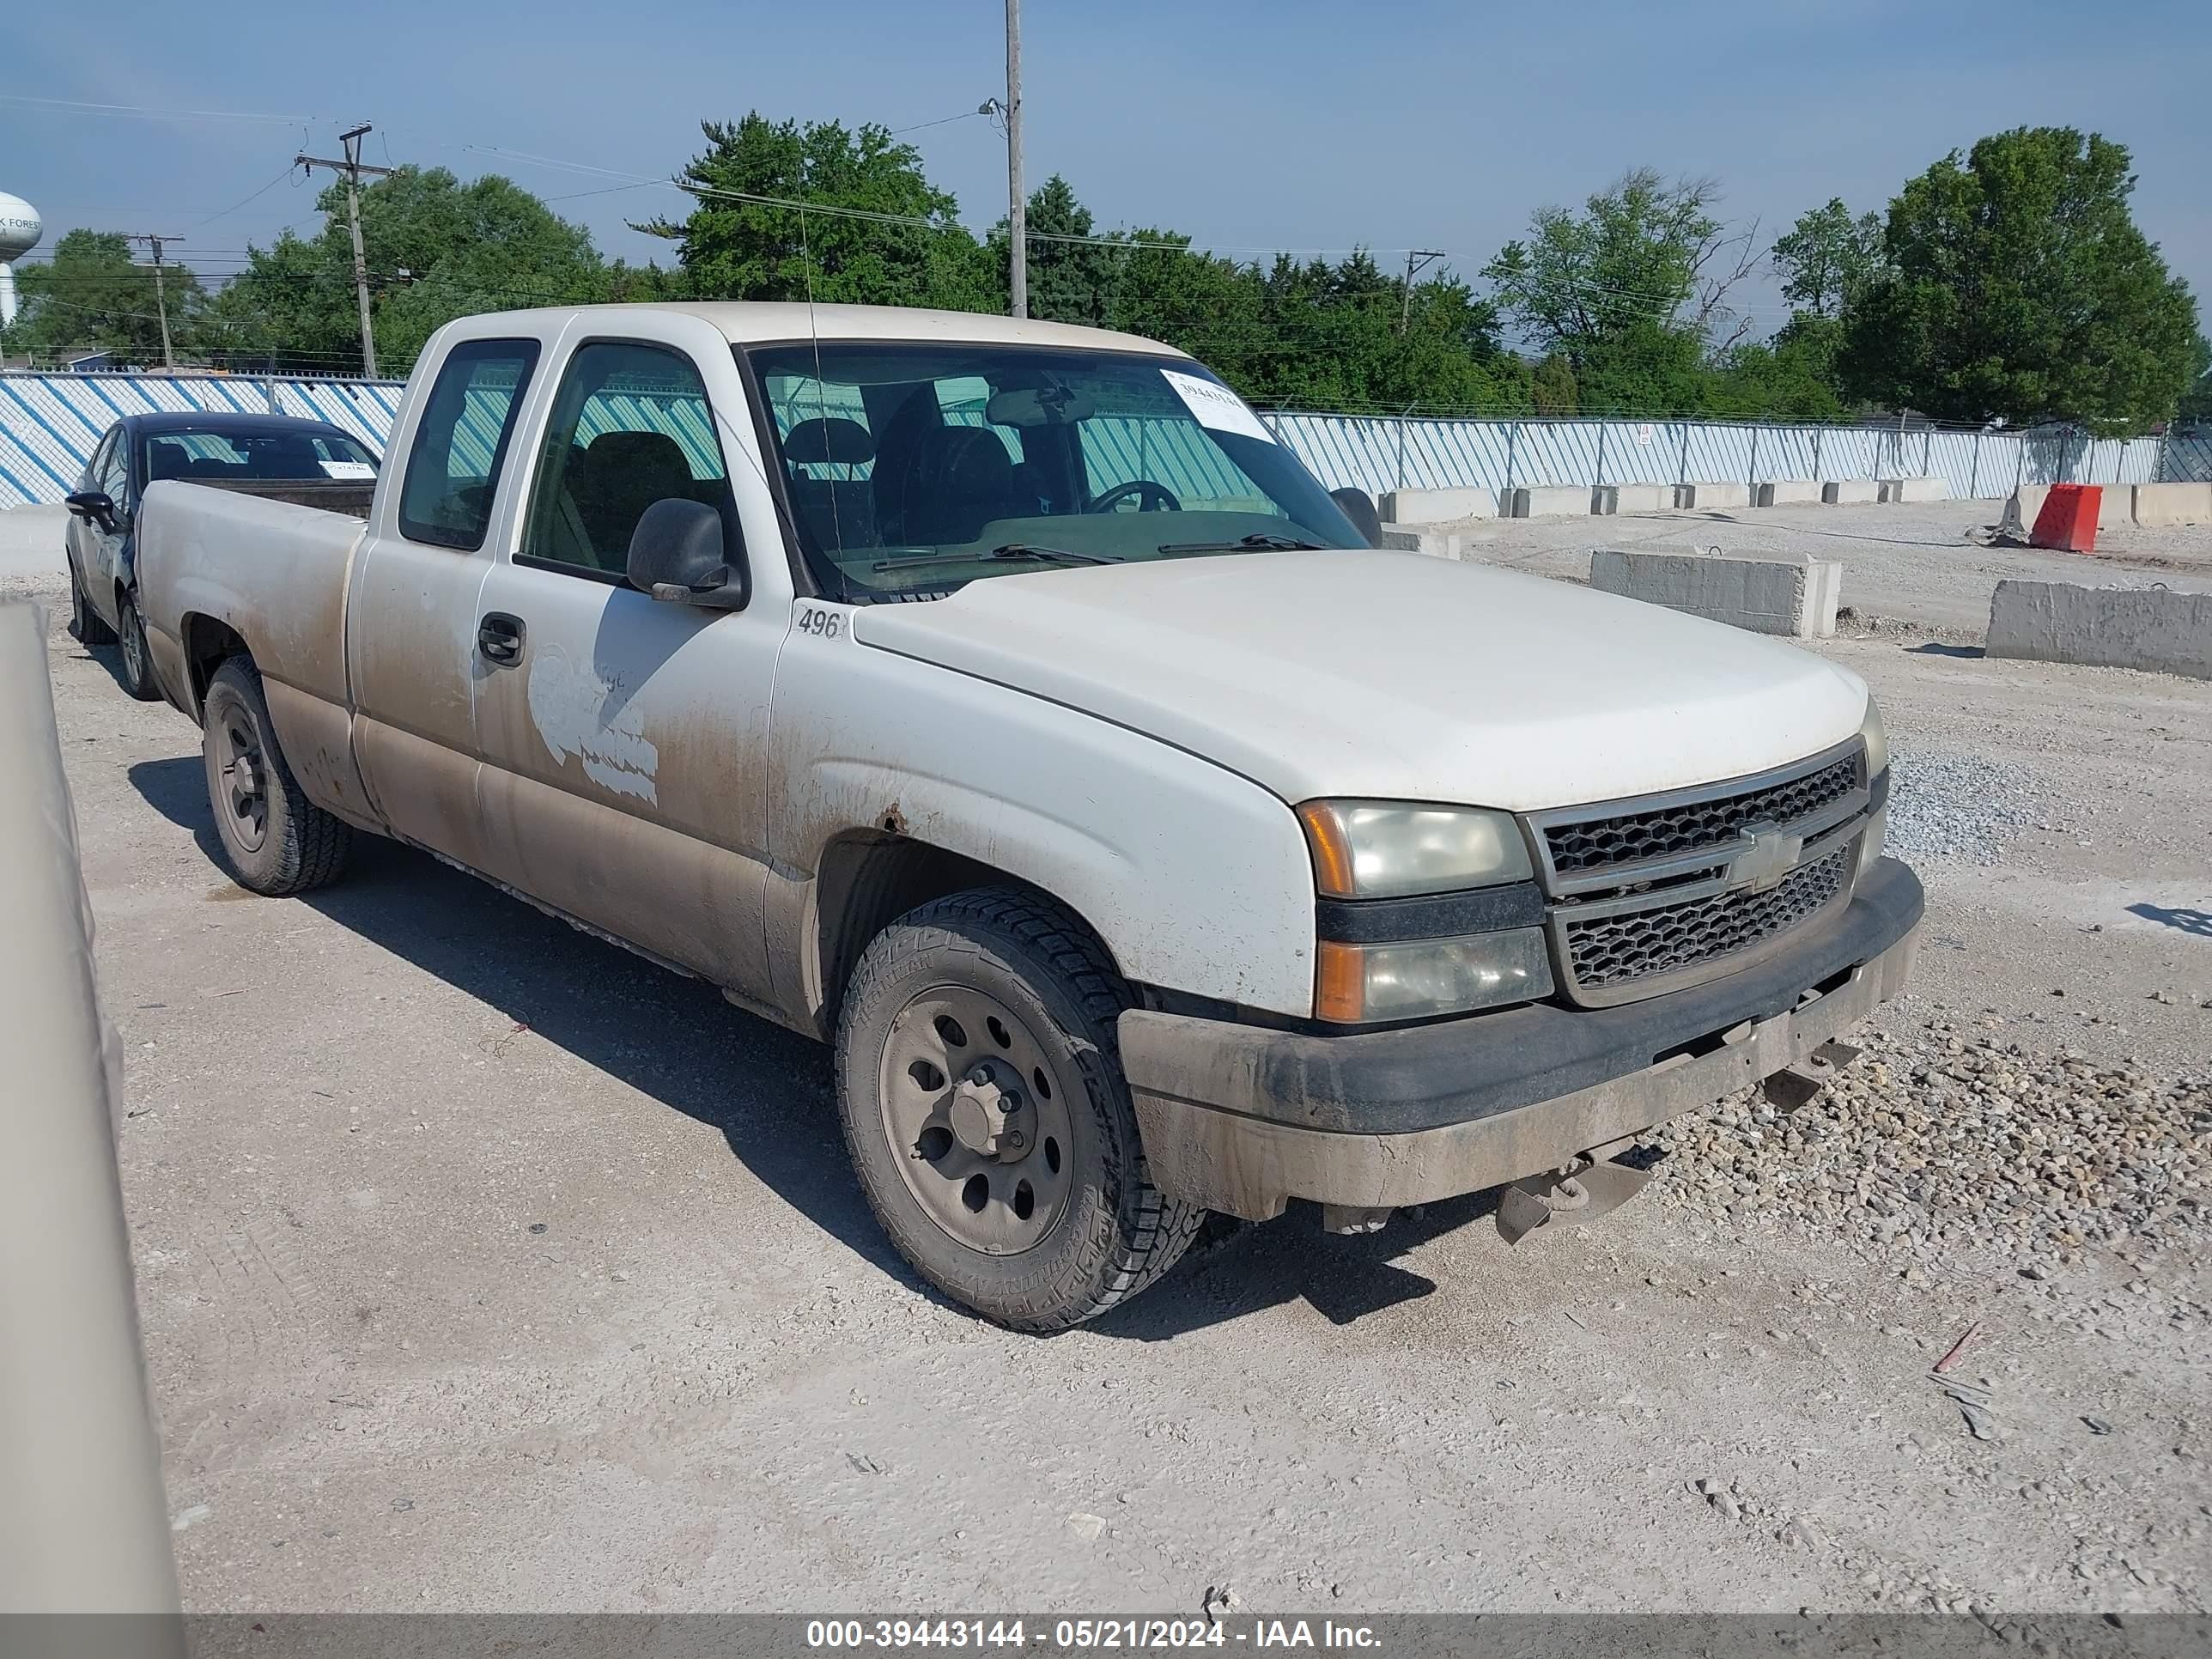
{"x": 498, "y": 639}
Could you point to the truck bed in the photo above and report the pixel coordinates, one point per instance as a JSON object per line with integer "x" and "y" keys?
{"x": 270, "y": 567}
{"x": 351, "y": 496}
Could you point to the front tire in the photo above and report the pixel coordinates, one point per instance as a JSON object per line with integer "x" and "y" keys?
{"x": 980, "y": 1087}
{"x": 276, "y": 840}
{"x": 137, "y": 666}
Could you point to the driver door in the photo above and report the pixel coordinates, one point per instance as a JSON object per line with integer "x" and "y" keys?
{"x": 101, "y": 547}
{"x": 624, "y": 737}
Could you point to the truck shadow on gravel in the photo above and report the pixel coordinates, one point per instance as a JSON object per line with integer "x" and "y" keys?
{"x": 765, "y": 1090}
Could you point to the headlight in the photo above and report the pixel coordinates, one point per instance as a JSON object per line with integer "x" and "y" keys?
{"x": 1364, "y": 849}
{"x": 1358, "y": 983}
{"x": 1877, "y": 740}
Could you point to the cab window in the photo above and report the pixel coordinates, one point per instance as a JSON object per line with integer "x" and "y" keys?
{"x": 630, "y": 426}
{"x": 452, "y": 469}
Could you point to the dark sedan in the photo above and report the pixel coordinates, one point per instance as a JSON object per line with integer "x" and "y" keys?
{"x": 268, "y": 454}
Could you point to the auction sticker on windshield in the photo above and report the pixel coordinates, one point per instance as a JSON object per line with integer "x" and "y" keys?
{"x": 348, "y": 470}
{"x": 1217, "y": 406}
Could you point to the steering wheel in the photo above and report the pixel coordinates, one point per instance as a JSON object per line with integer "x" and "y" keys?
{"x": 1150, "y": 498}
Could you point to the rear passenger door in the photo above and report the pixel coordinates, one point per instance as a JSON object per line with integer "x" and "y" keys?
{"x": 411, "y": 615}
{"x": 624, "y": 737}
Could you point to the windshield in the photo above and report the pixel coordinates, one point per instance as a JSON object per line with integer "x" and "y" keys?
{"x": 230, "y": 457}
{"x": 918, "y": 467}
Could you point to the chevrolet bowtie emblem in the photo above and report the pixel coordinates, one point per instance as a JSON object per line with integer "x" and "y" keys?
{"x": 1769, "y": 854}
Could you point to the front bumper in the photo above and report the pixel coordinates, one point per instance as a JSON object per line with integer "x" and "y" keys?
{"x": 1241, "y": 1119}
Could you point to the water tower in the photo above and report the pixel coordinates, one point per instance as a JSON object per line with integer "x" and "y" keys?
{"x": 20, "y": 231}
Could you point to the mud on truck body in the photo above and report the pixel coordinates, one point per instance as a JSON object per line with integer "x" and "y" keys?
{"x": 1000, "y": 703}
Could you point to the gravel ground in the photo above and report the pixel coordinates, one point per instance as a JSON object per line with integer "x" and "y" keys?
{"x": 1960, "y": 806}
{"x": 482, "y": 1266}
{"x": 1947, "y": 1141}
{"x": 1916, "y": 571}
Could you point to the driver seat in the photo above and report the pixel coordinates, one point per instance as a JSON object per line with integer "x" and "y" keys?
{"x": 956, "y": 480}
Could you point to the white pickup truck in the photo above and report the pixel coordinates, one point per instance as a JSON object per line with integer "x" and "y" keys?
{"x": 1002, "y": 703}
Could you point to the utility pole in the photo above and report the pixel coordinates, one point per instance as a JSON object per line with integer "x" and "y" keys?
{"x": 353, "y": 167}
{"x": 161, "y": 297}
{"x": 1417, "y": 259}
{"x": 1017, "y": 206}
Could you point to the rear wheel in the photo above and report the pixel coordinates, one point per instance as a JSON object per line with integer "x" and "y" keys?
{"x": 138, "y": 667}
{"x": 982, "y": 1099}
{"x": 84, "y": 621}
{"x": 276, "y": 840}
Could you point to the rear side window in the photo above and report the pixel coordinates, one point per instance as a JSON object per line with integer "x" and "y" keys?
{"x": 453, "y": 471}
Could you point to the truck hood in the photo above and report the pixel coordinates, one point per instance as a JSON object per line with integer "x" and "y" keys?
{"x": 1391, "y": 676}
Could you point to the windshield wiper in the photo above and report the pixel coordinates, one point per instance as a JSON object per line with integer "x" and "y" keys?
{"x": 1008, "y": 551}
{"x": 1264, "y": 543}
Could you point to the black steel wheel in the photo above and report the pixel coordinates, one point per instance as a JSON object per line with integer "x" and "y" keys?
{"x": 276, "y": 840}
{"x": 982, "y": 1096}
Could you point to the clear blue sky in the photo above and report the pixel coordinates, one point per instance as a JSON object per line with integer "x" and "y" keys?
{"x": 1296, "y": 125}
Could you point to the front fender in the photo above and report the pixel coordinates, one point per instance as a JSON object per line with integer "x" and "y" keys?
{"x": 1194, "y": 878}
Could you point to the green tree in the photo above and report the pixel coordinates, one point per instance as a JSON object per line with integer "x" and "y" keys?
{"x": 733, "y": 248}
{"x": 2021, "y": 287}
{"x": 1552, "y": 387}
{"x": 94, "y": 297}
{"x": 1632, "y": 291}
{"x": 1313, "y": 334}
{"x": 1827, "y": 258}
{"x": 1069, "y": 282}
{"x": 437, "y": 249}
{"x": 1789, "y": 378}
{"x": 2197, "y": 402}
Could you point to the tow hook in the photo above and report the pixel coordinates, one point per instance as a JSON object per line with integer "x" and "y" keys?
{"x": 1795, "y": 1087}
{"x": 1582, "y": 1188}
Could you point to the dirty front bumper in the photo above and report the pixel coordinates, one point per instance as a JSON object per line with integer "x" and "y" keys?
{"x": 1242, "y": 1118}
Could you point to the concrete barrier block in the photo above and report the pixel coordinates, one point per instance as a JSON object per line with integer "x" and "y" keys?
{"x": 2155, "y": 629}
{"x": 1792, "y": 596}
{"x": 1915, "y": 489}
{"x": 1638, "y": 498}
{"x": 1425, "y": 538}
{"x": 2158, "y": 506}
{"x": 1850, "y": 492}
{"x": 1790, "y": 492}
{"x": 1554, "y": 501}
{"x": 2116, "y": 507}
{"x": 2023, "y": 509}
{"x": 1436, "y": 506}
{"x": 1710, "y": 496}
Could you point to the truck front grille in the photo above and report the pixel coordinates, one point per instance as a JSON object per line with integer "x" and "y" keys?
{"x": 1606, "y": 954}
{"x": 1596, "y": 844}
{"x": 1650, "y": 895}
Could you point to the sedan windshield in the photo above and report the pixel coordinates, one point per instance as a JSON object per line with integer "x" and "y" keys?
{"x": 915, "y": 467}
{"x": 233, "y": 456}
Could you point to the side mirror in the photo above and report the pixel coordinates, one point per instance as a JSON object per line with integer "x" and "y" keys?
{"x": 96, "y": 505}
{"x": 678, "y": 554}
{"x": 1359, "y": 507}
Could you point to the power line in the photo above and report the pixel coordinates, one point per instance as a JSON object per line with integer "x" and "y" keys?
{"x": 72, "y": 106}
{"x": 234, "y": 206}
{"x": 943, "y": 120}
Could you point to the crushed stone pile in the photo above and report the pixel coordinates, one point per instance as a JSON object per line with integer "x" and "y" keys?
{"x": 1947, "y": 1141}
